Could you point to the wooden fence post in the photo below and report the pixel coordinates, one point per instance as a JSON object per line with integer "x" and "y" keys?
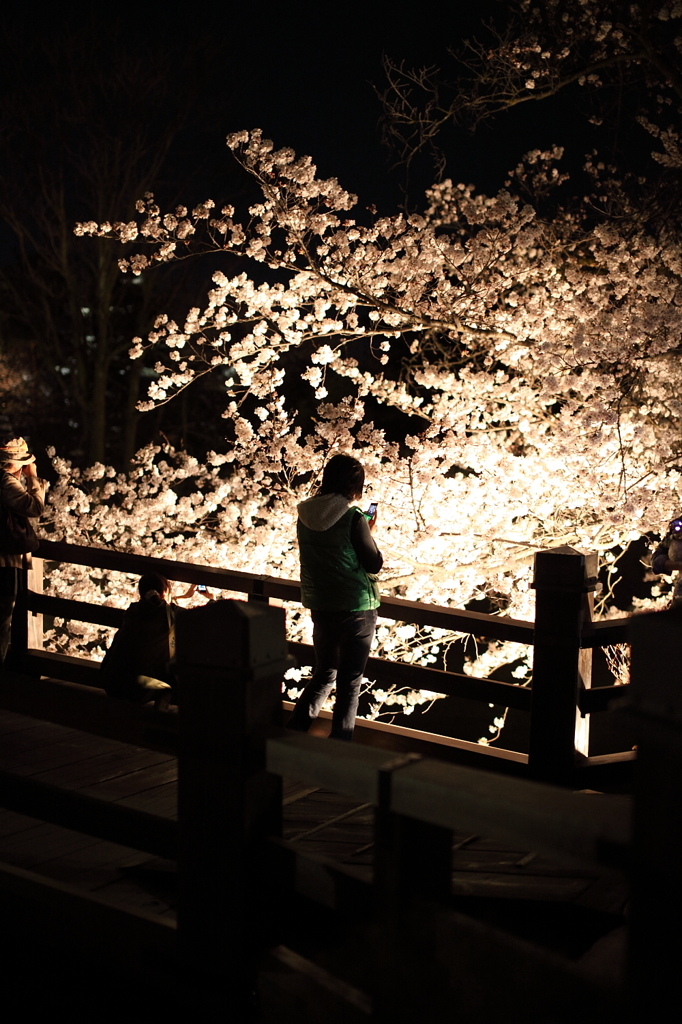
{"x": 563, "y": 579}
{"x": 27, "y": 626}
{"x": 656, "y": 701}
{"x": 34, "y": 583}
{"x": 231, "y": 658}
{"x": 19, "y": 628}
{"x": 412, "y": 859}
{"x": 412, "y": 880}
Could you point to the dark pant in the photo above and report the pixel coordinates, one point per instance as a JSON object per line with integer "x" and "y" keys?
{"x": 342, "y": 643}
{"x": 9, "y": 585}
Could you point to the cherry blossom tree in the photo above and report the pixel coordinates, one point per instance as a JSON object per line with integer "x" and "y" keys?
{"x": 556, "y": 423}
{"x": 565, "y": 331}
{"x": 530, "y": 345}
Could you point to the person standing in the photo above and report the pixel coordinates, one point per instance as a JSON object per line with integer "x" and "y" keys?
{"x": 667, "y": 559}
{"x": 339, "y": 559}
{"x": 22, "y": 497}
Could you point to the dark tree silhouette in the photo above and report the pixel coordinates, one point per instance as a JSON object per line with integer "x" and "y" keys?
{"x": 86, "y": 125}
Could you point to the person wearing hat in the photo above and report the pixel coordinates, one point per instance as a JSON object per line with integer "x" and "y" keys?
{"x": 22, "y": 497}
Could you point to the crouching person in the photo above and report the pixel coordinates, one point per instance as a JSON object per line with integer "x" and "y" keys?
{"x": 137, "y": 667}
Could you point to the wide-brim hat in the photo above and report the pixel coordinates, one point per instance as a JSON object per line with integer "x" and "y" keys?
{"x": 16, "y": 450}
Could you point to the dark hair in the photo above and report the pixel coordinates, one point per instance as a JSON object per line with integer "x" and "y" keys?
{"x": 343, "y": 475}
{"x": 153, "y": 581}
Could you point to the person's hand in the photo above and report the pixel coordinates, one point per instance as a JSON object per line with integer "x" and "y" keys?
{"x": 29, "y": 469}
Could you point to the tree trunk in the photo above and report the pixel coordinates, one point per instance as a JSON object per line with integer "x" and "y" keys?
{"x": 131, "y": 415}
{"x": 98, "y": 413}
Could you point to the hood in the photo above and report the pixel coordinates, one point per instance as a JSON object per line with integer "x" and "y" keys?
{"x": 323, "y": 511}
{"x": 148, "y": 607}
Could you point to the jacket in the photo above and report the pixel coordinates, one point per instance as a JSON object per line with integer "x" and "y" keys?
{"x": 338, "y": 556}
{"x": 22, "y": 502}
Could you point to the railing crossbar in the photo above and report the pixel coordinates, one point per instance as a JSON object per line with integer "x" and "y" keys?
{"x": 495, "y": 627}
{"x": 480, "y": 624}
{"x": 574, "y": 828}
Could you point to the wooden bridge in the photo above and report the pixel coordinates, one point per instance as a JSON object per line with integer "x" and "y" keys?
{"x": 315, "y": 872}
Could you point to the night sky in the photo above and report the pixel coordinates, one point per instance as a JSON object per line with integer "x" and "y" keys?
{"x": 305, "y": 74}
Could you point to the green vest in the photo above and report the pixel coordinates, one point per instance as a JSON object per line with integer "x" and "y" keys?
{"x": 332, "y": 578}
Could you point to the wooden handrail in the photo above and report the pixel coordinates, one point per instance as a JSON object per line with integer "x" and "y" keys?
{"x": 594, "y": 634}
{"x": 454, "y": 684}
{"x": 496, "y": 627}
{"x": 106, "y": 820}
{"x": 232, "y": 657}
{"x": 418, "y": 677}
{"x": 80, "y": 611}
{"x": 347, "y": 768}
{"x": 84, "y": 707}
{"x": 183, "y": 572}
{"x": 606, "y": 632}
{"x": 562, "y": 635}
{"x": 569, "y": 827}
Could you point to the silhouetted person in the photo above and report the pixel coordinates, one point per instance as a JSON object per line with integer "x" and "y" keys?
{"x": 22, "y": 498}
{"x": 137, "y": 665}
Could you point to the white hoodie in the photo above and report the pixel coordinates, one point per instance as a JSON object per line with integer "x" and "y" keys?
{"x": 323, "y": 511}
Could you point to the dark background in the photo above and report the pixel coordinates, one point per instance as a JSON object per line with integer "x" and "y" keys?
{"x": 81, "y": 88}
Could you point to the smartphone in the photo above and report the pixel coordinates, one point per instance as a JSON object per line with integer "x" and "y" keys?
{"x": 201, "y": 588}
{"x": 371, "y": 511}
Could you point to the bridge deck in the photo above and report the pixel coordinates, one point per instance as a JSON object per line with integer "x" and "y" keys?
{"x": 74, "y": 760}
{"x": 329, "y": 826}
{"x": 316, "y": 823}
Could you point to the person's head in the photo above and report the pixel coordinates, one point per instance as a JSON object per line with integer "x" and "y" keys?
{"x": 343, "y": 475}
{"x": 153, "y": 583}
{"x": 675, "y": 526}
{"x": 14, "y": 455}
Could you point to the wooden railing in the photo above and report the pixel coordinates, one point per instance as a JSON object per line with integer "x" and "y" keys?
{"x": 430, "y": 963}
{"x": 231, "y": 658}
{"x": 562, "y": 635}
{"x": 419, "y": 804}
